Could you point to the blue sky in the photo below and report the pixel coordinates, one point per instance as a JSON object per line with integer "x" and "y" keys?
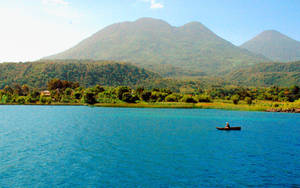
{"x": 31, "y": 29}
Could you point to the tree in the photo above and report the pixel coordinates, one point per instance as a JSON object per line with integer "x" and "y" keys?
{"x": 30, "y": 99}
{"x": 127, "y": 97}
{"x": 18, "y": 90}
{"x": 21, "y": 100}
{"x": 98, "y": 89}
{"x": 294, "y": 93}
{"x": 295, "y": 89}
{"x": 122, "y": 89}
{"x": 89, "y": 97}
{"x": 77, "y": 95}
{"x": 69, "y": 84}
{"x": 188, "y": 99}
{"x": 146, "y": 96}
{"x": 65, "y": 99}
{"x": 166, "y": 90}
{"x": 55, "y": 84}
{"x": 4, "y": 99}
{"x": 155, "y": 89}
{"x": 8, "y": 90}
{"x": 68, "y": 91}
{"x": 25, "y": 89}
{"x": 61, "y": 84}
{"x": 45, "y": 100}
{"x": 35, "y": 93}
{"x": 171, "y": 98}
{"x": 139, "y": 91}
{"x": 235, "y": 99}
{"x": 204, "y": 98}
{"x": 248, "y": 100}
{"x": 200, "y": 91}
{"x": 157, "y": 96}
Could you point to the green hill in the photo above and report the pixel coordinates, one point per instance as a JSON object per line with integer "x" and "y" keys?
{"x": 155, "y": 44}
{"x": 267, "y": 74}
{"x": 108, "y": 73}
{"x": 274, "y": 46}
{"x": 37, "y": 74}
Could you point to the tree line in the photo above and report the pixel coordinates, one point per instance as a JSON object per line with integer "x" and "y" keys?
{"x": 62, "y": 91}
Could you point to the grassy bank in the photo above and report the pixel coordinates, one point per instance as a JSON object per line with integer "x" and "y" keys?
{"x": 225, "y": 105}
{"x": 221, "y": 104}
{"x": 147, "y": 105}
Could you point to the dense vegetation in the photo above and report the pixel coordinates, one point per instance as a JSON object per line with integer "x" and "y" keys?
{"x": 90, "y": 73}
{"x": 67, "y": 92}
{"x": 155, "y": 44}
{"x": 87, "y": 73}
{"x": 274, "y": 46}
{"x": 266, "y": 74}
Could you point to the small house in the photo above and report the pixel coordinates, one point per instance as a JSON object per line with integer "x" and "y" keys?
{"x": 45, "y": 93}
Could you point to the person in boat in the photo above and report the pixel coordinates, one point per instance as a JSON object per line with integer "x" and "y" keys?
{"x": 227, "y": 125}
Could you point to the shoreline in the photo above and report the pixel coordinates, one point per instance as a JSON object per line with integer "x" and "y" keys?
{"x": 218, "y": 106}
{"x": 213, "y": 105}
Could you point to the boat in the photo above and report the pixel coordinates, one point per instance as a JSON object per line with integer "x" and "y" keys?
{"x": 229, "y": 129}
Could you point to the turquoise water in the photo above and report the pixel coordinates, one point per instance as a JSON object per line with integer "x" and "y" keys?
{"x": 56, "y": 146}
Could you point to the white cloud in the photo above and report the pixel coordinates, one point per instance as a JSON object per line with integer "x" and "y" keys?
{"x": 55, "y": 2}
{"x": 154, "y": 4}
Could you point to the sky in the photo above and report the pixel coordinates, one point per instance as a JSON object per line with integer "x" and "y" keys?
{"x": 32, "y": 29}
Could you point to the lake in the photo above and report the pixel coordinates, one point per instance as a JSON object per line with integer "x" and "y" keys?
{"x": 77, "y": 146}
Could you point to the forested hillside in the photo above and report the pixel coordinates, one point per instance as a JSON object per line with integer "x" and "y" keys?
{"x": 267, "y": 74}
{"x": 87, "y": 73}
{"x": 108, "y": 73}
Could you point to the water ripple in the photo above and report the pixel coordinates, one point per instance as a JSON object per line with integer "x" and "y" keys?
{"x": 110, "y": 147}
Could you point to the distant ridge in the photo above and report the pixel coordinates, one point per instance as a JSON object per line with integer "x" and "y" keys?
{"x": 153, "y": 43}
{"x": 275, "y": 46}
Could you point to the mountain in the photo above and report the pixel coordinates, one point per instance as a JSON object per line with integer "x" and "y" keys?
{"x": 274, "y": 46}
{"x": 267, "y": 74}
{"x": 87, "y": 73}
{"x": 154, "y": 43}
